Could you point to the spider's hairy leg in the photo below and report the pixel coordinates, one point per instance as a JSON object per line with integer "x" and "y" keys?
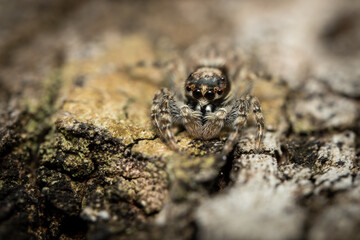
{"x": 192, "y": 121}
{"x": 161, "y": 116}
{"x": 215, "y": 122}
{"x": 236, "y": 119}
{"x": 259, "y": 117}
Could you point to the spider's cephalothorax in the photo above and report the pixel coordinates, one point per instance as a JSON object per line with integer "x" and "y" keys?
{"x": 205, "y": 87}
{"x": 204, "y": 106}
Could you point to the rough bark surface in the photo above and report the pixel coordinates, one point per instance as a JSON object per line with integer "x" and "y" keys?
{"x": 79, "y": 158}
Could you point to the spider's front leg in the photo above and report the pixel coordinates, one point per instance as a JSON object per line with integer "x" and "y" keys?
{"x": 259, "y": 117}
{"x": 235, "y": 119}
{"x": 165, "y": 112}
{"x": 162, "y": 109}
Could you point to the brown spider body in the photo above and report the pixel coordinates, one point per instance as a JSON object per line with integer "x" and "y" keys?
{"x": 206, "y": 104}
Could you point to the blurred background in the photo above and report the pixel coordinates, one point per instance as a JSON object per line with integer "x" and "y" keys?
{"x": 294, "y": 39}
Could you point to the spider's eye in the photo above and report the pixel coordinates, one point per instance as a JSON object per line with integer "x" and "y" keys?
{"x": 188, "y": 88}
{"x": 197, "y": 94}
{"x": 209, "y": 95}
{"x": 219, "y": 92}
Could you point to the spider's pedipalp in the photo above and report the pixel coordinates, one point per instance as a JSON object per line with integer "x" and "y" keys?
{"x": 192, "y": 121}
{"x": 214, "y": 124}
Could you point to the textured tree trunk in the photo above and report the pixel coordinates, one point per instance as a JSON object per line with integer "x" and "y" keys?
{"x": 79, "y": 158}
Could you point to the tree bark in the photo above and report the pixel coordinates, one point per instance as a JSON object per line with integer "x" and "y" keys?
{"x": 79, "y": 157}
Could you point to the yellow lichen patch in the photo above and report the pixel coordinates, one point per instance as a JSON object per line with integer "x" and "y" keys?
{"x": 128, "y": 131}
{"x": 113, "y": 52}
{"x": 184, "y": 142}
{"x": 152, "y": 148}
{"x": 157, "y": 147}
{"x": 106, "y": 96}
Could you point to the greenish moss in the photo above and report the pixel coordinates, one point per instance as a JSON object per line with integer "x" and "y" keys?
{"x": 38, "y": 112}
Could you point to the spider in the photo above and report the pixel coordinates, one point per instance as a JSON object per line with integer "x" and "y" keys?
{"x": 204, "y": 103}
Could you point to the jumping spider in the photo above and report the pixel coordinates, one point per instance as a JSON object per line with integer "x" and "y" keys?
{"x": 205, "y": 104}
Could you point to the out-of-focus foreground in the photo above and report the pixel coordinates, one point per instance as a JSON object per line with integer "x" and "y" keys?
{"x": 79, "y": 158}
